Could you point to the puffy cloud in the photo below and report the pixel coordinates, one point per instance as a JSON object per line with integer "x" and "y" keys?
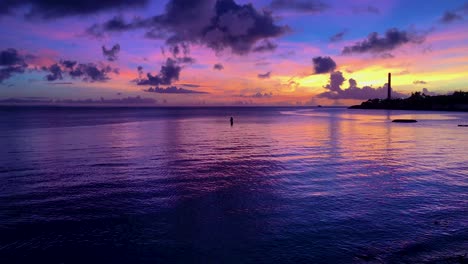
{"x": 88, "y": 72}
{"x": 264, "y": 75}
{"x": 353, "y": 91}
{"x": 338, "y": 36}
{"x": 219, "y": 25}
{"x": 111, "y": 54}
{"x": 55, "y": 73}
{"x": 173, "y": 90}
{"x": 11, "y": 62}
{"x": 392, "y": 39}
{"x": 419, "y": 82}
{"x": 309, "y": 6}
{"x": 49, "y": 9}
{"x": 323, "y": 65}
{"x": 218, "y": 66}
{"x": 169, "y": 72}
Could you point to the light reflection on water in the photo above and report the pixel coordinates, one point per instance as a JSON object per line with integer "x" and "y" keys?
{"x": 287, "y": 185}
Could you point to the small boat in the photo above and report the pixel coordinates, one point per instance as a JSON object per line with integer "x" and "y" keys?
{"x": 404, "y": 121}
{"x": 463, "y": 125}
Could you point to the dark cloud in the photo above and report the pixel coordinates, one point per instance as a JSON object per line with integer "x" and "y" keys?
{"x": 88, "y": 72}
{"x": 427, "y": 92}
{"x": 419, "y": 82}
{"x": 173, "y": 90}
{"x": 353, "y": 91}
{"x": 55, "y": 73}
{"x": 11, "y": 62}
{"x": 111, "y": 54}
{"x": 309, "y": 6}
{"x": 140, "y": 72}
{"x": 449, "y": 17}
{"x": 169, "y": 72}
{"x": 218, "y": 66}
{"x": 338, "y": 36}
{"x": 366, "y": 9}
{"x": 49, "y": 9}
{"x": 392, "y": 39}
{"x": 264, "y": 75}
{"x": 262, "y": 95}
{"x": 68, "y": 63}
{"x": 265, "y": 46}
{"x": 219, "y": 25}
{"x": 323, "y": 65}
{"x": 188, "y": 60}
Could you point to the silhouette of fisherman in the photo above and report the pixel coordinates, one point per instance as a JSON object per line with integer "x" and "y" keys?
{"x": 232, "y": 121}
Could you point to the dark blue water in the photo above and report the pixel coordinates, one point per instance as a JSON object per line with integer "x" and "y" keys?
{"x": 283, "y": 185}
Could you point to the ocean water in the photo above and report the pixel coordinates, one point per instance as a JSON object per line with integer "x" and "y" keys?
{"x": 283, "y": 185}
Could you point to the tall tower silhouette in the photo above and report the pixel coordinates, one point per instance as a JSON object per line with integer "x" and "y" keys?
{"x": 389, "y": 86}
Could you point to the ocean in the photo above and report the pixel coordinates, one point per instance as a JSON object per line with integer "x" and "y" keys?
{"x": 282, "y": 185}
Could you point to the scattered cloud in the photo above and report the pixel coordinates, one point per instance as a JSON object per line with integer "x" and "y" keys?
{"x": 419, "y": 82}
{"x": 264, "y": 75}
{"x": 11, "y": 62}
{"x": 111, "y": 54}
{"x": 334, "y": 90}
{"x": 323, "y": 65}
{"x": 258, "y": 95}
{"x": 50, "y": 9}
{"x": 172, "y": 90}
{"x": 218, "y": 66}
{"x": 219, "y": 25}
{"x": 265, "y": 46}
{"x": 452, "y": 16}
{"x": 308, "y": 6}
{"x": 366, "y": 9}
{"x": 168, "y": 73}
{"x": 88, "y": 72}
{"x": 374, "y": 43}
{"x": 338, "y": 36}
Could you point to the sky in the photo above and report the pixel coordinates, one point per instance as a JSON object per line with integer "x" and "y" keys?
{"x": 231, "y": 52}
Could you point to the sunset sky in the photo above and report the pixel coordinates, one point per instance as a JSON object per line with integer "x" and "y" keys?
{"x": 231, "y": 52}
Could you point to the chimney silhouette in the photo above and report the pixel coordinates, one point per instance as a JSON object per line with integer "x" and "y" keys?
{"x": 389, "y": 86}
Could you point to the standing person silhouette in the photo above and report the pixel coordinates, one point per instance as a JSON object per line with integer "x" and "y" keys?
{"x": 232, "y": 121}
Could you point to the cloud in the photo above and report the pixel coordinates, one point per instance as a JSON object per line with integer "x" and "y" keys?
{"x": 308, "y": 6}
{"x": 218, "y": 66}
{"x": 323, "y": 65}
{"x": 265, "y": 46}
{"x": 334, "y": 90}
{"x": 366, "y": 9}
{"x": 219, "y": 25}
{"x": 11, "y": 62}
{"x": 427, "y": 92}
{"x": 338, "y": 36}
{"x": 450, "y": 17}
{"x": 111, "y": 54}
{"x": 419, "y": 82}
{"x": 88, "y": 72}
{"x": 264, "y": 75}
{"x": 55, "y": 73}
{"x": 392, "y": 39}
{"x": 169, "y": 72}
{"x": 172, "y": 90}
{"x": 50, "y": 9}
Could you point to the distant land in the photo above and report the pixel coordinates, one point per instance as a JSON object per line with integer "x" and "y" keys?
{"x": 458, "y": 101}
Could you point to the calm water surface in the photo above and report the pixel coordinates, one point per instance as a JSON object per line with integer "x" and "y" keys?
{"x": 282, "y": 185}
